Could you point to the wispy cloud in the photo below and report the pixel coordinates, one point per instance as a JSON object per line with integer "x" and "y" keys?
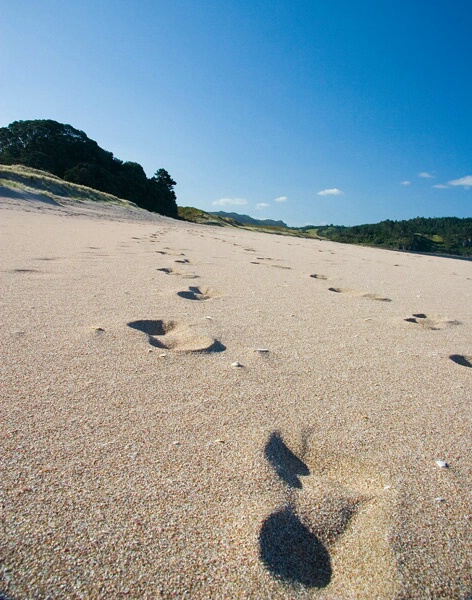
{"x": 331, "y": 192}
{"x": 261, "y": 205}
{"x": 406, "y": 182}
{"x": 281, "y": 199}
{"x": 440, "y": 186}
{"x": 426, "y": 175}
{"x": 465, "y": 181}
{"x": 230, "y": 202}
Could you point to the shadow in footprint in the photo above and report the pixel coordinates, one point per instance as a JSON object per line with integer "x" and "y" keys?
{"x": 464, "y": 361}
{"x": 287, "y": 466}
{"x": 292, "y": 553}
{"x": 148, "y": 327}
{"x": 194, "y": 293}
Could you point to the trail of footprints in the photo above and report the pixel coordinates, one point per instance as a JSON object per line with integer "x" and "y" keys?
{"x": 181, "y": 337}
{"x": 332, "y": 507}
{"x": 424, "y": 321}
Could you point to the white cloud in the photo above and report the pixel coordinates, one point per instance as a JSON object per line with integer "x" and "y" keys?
{"x": 440, "y": 186}
{"x": 262, "y": 205}
{"x": 281, "y": 199}
{"x": 426, "y": 175}
{"x": 230, "y": 202}
{"x": 331, "y": 192}
{"x": 465, "y": 181}
{"x": 406, "y": 183}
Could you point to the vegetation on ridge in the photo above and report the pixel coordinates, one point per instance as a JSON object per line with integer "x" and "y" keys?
{"x": 25, "y": 182}
{"x": 69, "y": 154}
{"x": 444, "y": 235}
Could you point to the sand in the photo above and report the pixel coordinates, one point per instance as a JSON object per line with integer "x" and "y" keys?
{"x": 139, "y": 462}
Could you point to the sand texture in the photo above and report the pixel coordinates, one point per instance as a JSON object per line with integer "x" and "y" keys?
{"x": 201, "y": 412}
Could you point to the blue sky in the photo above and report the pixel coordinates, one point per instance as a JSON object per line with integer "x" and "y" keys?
{"x": 310, "y": 111}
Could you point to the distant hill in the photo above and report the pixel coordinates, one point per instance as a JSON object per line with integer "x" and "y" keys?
{"x": 247, "y": 220}
{"x": 195, "y": 215}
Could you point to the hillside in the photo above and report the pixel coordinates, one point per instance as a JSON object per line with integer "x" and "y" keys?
{"x": 247, "y": 220}
{"x": 71, "y": 155}
{"x": 445, "y": 235}
{"x": 20, "y": 182}
{"x": 195, "y": 215}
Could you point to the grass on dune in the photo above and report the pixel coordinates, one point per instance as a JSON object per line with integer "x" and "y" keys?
{"x": 35, "y": 182}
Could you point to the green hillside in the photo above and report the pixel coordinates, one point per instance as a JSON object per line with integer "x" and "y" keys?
{"x": 445, "y": 235}
{"x": 71, "y": 155}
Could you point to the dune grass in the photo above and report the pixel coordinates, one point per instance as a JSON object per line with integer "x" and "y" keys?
{"x": 40, "y": 183}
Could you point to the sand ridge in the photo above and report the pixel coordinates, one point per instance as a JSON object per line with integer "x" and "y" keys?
{"x": 138, "y": 462}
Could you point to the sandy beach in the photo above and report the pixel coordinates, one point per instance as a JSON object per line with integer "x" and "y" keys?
{"x": 203, "y": 412}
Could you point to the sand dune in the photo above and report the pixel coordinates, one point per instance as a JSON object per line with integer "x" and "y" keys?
{"x": 138, "y": 462}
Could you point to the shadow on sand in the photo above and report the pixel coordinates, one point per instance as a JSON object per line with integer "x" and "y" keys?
{"x": 292, "y": 553}
{"x": 287, "y": 466}
{"x": 461, "y": 360}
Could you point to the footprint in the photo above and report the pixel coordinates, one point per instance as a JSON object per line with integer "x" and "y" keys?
{"x": 182, "y": 261}
{"x": 359, "y": 294}
{"x": 335, "y": 518}
{"x": 288, "y": 547}
{"x": 317, "y": 276}
{"x": 183, "y": 274}
{"x": 180, "y": 337}
{"x": 459, "y": 359}
{"x": 49, "y": 258}
{"x": 196, "y": 293}
{"x": 377, "y": 298}
{"x": 432, "y": 322}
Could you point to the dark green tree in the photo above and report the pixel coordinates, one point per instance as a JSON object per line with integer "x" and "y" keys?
{"x": 161, "y": 195}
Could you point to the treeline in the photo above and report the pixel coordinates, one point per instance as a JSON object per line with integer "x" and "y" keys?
{"x": 448, "y": 235}
{"x": 68, "y": 153}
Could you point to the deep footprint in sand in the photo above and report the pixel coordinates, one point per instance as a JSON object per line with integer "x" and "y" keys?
{"x": 336, "y": 514}
{"x": 288, "y": 548}
{"x": 198, "y": 293}
{"x": 318, "y": 276}
{"x": 359, "y": 293}
{"x": 179, "y": 337}
{"x": 432, "y": 322}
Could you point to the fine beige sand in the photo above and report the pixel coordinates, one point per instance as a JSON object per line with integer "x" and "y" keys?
{"x": 140, "y": 461}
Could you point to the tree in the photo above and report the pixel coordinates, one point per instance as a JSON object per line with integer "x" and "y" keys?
{"x": 161, "y": 195}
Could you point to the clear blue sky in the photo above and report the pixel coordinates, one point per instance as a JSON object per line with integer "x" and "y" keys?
{"x": 257, "y": 106}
